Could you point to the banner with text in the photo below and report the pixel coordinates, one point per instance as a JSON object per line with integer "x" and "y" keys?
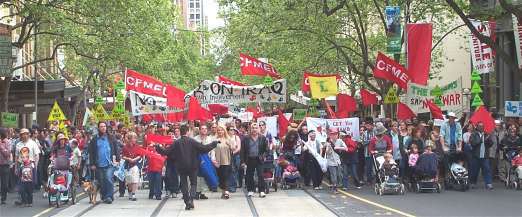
{"x": 517, "y": 30}
{"x": 344, "y": 124}
{"x": 211, "y": 92}
{"x": 417, "y": 97}
{"x": 144, "y": 84}
{"x": 482, "y": 55}
{"x": 143, "y": 104}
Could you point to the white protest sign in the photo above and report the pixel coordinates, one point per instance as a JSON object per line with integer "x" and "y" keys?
{"x": 417, "y": 97}
{"x": 211, "y": 92}
{"x": 142, "y": 104}
{"x": 271, "y": 124}
{"x": 344, "y": 124}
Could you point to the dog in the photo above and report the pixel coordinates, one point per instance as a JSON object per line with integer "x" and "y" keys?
{"x": 92, "y": 190}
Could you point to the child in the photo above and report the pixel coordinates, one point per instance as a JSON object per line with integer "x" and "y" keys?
{"x": 414, "y": 155}
{"x": 517, "y": 163}
{"x": 131, "y": 159}
{"x": 155, "y": 168}
{"x": 26, "y": 182}
{"x": 389, "y": 167}
{"x": 427, "y": 164}
{"x": 334, "y": 162}
{"x": 458, "y": 167}
{"x": 75, "y": 159}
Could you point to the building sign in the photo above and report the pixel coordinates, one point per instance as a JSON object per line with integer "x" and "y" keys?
{"x": 6, "y": 52}
{"x": 513, "y": 109}
{"x": 482, "y": 55}
{"x": 9, "y": 119}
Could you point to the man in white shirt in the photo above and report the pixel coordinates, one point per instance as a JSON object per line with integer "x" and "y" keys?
{"x": 204, "y": 138}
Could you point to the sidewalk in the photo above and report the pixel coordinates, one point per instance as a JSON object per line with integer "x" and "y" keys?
{"x": 277, "y": 204}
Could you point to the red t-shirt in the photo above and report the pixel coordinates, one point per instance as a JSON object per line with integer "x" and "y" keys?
{"x": 130, "y": 152}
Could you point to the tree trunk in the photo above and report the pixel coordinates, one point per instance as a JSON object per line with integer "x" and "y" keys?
{"x": 5, "y": 97}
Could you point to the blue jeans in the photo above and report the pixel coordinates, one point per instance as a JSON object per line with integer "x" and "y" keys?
{"x": 476, "y": 165}
{"x": 155, "y": 184}
{"x": 349, "y": 169}
{"x": 232, "y": 179}
{"x": 104, "y": 176}
{"x": 368, "y": 164}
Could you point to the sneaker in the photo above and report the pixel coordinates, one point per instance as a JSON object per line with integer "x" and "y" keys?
{"x": 203, "y": 197}
{"x": 158, "y": 198}
{"x": 489, "y": 186}
{"x": 197, "y": 195}
{"x": 122, "y": 195}
{"x": 133, "y": 198}
{"x": 262, "y": 195}
{"x": 108, "y": 201}
{"x": 316, "y": 188}
{"x": 250, "y": 194}
{"x": 29, "y": 205}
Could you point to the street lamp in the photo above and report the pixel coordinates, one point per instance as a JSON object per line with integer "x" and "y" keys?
{"x": 466, "y": 92}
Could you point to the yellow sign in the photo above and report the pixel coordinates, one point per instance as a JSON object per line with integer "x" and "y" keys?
{"x": 391, "y": 96}
{"x": 56, "y": 113}
{"x": 100, "y": 113}
{"x": 322, "y": 87}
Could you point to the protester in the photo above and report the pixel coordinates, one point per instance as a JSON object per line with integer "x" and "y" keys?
{"x": 368, "y": 134}
{"x": 480, "y": 146}
{"x": 223, "y": 159}
{"x": 312, "y": 151}
{"x": 254, "y": 149}
{"x": 129, "y": 154}
{"x": 203, "y": 138}
{"x": 350, "y": 160}
{"x": 334, "y": 165}
{"x": 185, "y": 152}
{"x": 5, "y": 158}
{"x": 508, "y": 145}
{"x": 103, "y": 155}
{"x": 234, "y": 180}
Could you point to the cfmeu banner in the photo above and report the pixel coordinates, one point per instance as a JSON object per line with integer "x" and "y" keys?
{"x": 344, "y": 124}
{"x": 144, "y": 84}
{"x": 144, "y": 104}
{"x": 417, "y": 97}
{"x": 211, "y": 92}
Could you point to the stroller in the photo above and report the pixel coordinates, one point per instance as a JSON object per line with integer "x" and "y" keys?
{"x": 269, "y": 174}
{"x": 387, "y": 181}
{"x": 60, "y": 189}
{"x": 290, "y": 173}
{"x": 458, "y": 175}
{"x": 512, "y": 179}
{"x": 425, "y": 181}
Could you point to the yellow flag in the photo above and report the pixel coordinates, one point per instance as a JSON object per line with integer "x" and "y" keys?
{"x": 322, "y": 87}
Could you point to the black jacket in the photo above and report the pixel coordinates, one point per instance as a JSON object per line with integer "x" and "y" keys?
{"x": 93, "y": 149}
{"x": 245, "y": 147}
{"x": 184, "y": 153}
{"x": 476, "y": 140}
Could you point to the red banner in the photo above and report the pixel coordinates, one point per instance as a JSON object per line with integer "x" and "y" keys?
{"x": 419, "y": 51}
{"x": 252, "y": 66}
{"x": 388, "y": 69}
{"x": 345, "y": 105}
{"x": 176, "y": 97}
{"x": 144, "y": 84}
{"x": 305, "y": 86}
{"x": 225, "y": 80}
{"x": 368, "y": 98}
{"x": 159, "y": 139}
{"x": 484, "y": 116}
{"x": 404, "y": 112}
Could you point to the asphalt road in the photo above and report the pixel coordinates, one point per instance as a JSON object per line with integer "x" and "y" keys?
{"x": 475, "y": 202}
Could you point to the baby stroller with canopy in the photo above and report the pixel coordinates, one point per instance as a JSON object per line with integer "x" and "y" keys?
{"x": 458, "y": 175}
{"x": 269, "y": 172}
{"x": 512, "y": 179}
{"x": 291, "y": 175}
{"x": 60, "y": 188}
{"x": 387, "y": 177}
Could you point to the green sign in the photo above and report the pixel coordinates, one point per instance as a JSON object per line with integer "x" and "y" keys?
{"x": 475, "y": 88}
{"x": 268, "y": 81}
{"x": 477, "y": 101}
{"x": 10, "y": 119}
{"x": 475, "y": 76}
{"x": 299, "y": 114}
{"x": 119, "y": 86}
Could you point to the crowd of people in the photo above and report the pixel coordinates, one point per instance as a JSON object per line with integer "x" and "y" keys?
{"x": 239, "y": 150}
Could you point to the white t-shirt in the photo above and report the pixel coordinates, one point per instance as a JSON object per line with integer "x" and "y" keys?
{"x": 34, "y": 150}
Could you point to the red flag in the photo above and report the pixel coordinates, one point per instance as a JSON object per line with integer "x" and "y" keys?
{"x": 150, "y": 138}
{"x": 436, "y": 112}
{"x": 217, "y": 109}
{"x": 196, "y": 112}
{"x": 404, "y": 112}
{"x": 225, "y": 80}
{"x": 484, "y": 116}
{"x": 175, "y": 117}
{"x": 252, "y": 66}
{"x": 255, "y": 111}
{"x": 175, "y": 97}
{"x": 331, "y": 113}
{"x": 419, "y": 51}
{"x": 283, "y": 124}
{"x": 144, "y": 84}
{"x": 345, "y": 104}
{"x": 368, "y": 98}
{"x": 305, "y": 86}
{"x": 386, "y": 68}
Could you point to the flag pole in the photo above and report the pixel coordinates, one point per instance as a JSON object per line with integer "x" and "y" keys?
{"x": 371, "y": 110}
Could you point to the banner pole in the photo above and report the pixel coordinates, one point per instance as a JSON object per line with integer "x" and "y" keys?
{"x": 371, "y": 110}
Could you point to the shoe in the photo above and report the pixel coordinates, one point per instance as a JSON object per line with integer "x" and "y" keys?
{"x": 202, "y": 196}
{"x": 3, "y": 202}
{"x": 358, "y": 187}
{"x": 250, "y": 194}
{"x": 122, "y": 195}
{"x": 158, "y": 198}
{"x": 18, "y": 203}
{"x": 134, "y": 199}
{"x": 262, "y": 195}
{"x": 29, "y": 205}
{"x": 150, "y": 197}
{"x": 489, "y": 186}
{"x": 316, "y": 188}
{"x": 197, "y": 195}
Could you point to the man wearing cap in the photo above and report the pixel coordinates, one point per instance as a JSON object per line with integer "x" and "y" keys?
{"x": 451, "y": 132}
{"x": 33, "y": 152}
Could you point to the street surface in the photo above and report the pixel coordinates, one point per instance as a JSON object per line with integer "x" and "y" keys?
{"x": 302, "y": 203}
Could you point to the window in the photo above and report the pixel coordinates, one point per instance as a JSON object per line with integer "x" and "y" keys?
{"x": 197, "y": 16}
{"x": 191, "y": 5}
{"x": 192, "y": 16}
{"x": 197, "y": 4}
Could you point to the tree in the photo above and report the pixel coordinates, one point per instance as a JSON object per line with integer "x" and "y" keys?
{"x": 107, "y": 36}
{"x": 321, "y": 36}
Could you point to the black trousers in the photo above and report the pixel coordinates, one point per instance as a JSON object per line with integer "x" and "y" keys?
{"x": 254, "y": 165}
{"x": 4, "y": 181}
{"x": 223, "y": 173}
{"x": 315, "y": 171}
{"x": 188, "y": 195}
{"x": 27, "y": 192}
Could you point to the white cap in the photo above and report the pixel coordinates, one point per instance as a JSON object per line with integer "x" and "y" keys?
{"x": 452, "y": 114}
{"x": 498, "y": 121}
